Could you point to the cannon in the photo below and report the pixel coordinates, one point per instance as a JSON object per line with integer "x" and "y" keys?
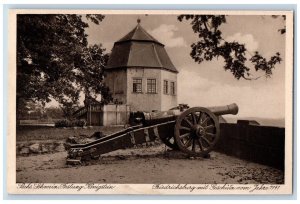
{"x": 194, "y": 131}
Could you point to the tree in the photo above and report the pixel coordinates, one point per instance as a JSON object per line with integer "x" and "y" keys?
{"x": 52, "y": 59}
{"x": 93, "y": 57}
{"x": 54, "y": 113}
{"x": 32, "y": 110}
{"x": 211, "y": 45}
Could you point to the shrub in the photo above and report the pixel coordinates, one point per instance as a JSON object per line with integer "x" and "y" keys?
{"x": 63, "y": 123}
{"x": 79, "y": 123}
{"x": 68, "y": 123}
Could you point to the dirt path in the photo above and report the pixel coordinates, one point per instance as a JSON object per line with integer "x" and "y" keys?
{"x": 145, "y": 165}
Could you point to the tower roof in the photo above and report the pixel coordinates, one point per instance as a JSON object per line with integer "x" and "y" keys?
{"x": 139, "y": 34}
{"x": 139, "y": 49}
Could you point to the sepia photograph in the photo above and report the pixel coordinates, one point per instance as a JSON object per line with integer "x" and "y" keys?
{"x": 158, "y": 102}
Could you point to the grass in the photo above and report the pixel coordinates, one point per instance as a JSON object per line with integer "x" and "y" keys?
{"x": 27, "y": 133}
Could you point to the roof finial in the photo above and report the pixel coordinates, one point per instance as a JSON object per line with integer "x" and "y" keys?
{"x": 138, "y": 20}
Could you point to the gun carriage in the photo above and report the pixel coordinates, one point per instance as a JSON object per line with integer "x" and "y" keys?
{"x": 194, "y": 131}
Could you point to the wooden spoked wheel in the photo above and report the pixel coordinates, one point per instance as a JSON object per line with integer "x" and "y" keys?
{"x": 197, "y": 131}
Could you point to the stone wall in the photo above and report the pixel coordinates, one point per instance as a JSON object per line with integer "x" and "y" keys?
{"x": 39, "y": 147}
{"x": 255, "y": 143}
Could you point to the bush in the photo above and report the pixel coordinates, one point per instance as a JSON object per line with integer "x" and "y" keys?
{"x": 62, "y": 123}
{"x": 68, "y": 123}
{"x": 79, "y": 123}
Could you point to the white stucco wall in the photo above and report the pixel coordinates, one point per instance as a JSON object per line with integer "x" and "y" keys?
{"x": 120, "y": 83}
{"x": 143, "y": 101}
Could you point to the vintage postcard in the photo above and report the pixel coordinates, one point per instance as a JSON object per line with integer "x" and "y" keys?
{"x": 150, "y": 102}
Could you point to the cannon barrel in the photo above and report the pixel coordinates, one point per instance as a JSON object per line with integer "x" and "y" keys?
{"x": 163, "y": 116}
{"x": 223, "y": 110}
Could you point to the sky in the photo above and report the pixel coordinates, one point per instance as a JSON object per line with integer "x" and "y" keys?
{"x": 208, "y": 84}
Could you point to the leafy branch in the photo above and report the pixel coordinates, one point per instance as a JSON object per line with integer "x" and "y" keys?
{"x": 212, "y": 45}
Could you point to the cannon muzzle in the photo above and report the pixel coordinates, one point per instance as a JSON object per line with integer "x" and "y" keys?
{"x": 223, "y": 110}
